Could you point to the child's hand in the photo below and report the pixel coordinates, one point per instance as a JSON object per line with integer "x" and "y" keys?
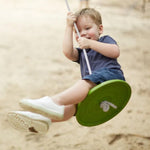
{"x": 71, "y": 18}
{"x": 83, "y": 43}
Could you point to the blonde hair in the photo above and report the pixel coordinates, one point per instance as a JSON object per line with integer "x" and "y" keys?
{"x": 92, "y": 13}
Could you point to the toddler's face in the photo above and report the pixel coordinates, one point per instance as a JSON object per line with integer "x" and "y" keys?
{"x": 88, "y": 28}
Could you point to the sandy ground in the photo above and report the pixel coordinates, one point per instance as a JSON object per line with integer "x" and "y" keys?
{"x": 32, "y": 65}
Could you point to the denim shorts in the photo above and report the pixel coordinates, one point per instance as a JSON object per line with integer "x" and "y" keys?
{"x": 104, "y": 74}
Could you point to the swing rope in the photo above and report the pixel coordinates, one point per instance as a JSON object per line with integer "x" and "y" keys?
{"x": 84, "y": 51}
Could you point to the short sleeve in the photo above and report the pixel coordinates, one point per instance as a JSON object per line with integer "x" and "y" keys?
{"x": 79, "y": 52}
{"x": 107, "y": 39}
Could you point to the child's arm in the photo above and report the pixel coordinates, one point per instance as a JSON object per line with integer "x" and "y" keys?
{"x": 69, "y": 51}
{"x": 106, "y": 49}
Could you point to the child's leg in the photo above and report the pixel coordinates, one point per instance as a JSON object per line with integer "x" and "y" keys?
{"x": 61, "y": 106}
{"x": 74, "y": 94}
{"x": 69, "y": 111}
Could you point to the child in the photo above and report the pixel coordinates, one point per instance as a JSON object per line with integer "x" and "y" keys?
{"x": 102, "y": 53}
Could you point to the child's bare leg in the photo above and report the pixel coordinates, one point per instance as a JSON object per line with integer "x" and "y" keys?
{"x": 74, "y": 94}
{"x": 61, "y": 106}
{"x": 69, "y": 111}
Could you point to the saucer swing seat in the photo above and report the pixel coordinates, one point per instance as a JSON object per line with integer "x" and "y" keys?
{"x": 103, "y": 102}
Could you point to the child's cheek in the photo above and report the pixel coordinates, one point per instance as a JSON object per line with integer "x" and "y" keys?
{"x": 92, "y": 35}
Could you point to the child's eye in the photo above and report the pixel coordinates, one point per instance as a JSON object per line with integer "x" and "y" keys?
{"x": 87, "y": 28}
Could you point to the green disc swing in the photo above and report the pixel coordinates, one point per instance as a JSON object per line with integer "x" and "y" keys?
{"x": 104, "y": 101}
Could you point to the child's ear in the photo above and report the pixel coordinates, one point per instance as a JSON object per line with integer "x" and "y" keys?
{"x": 100, "y": 29}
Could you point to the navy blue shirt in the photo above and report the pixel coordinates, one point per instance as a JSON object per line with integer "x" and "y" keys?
{"x": 97, "y": 60}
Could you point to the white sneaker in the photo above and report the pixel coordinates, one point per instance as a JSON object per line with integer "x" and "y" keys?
{"x": 28, "y": 121}
{"x": 44, "y": 106}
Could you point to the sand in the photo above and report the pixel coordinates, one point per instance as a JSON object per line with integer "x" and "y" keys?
{"x": 32, "y": 65}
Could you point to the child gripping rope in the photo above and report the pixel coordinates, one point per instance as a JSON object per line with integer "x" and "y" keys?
{"x": 102, "y": 52}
